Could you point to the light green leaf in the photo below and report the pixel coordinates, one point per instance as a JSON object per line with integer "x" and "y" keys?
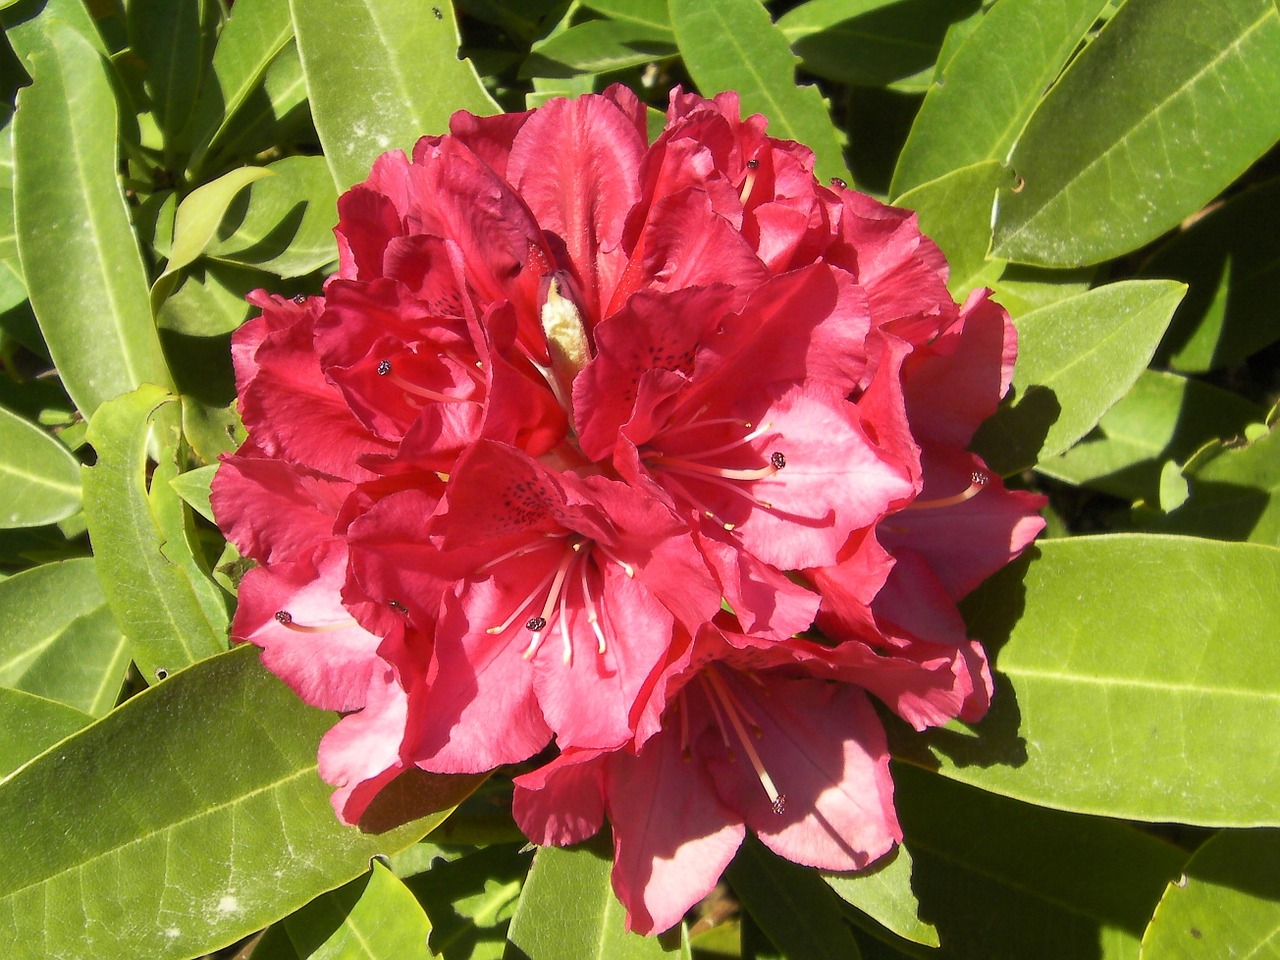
{"x": 1233, "y": 492}
{"x": 1130, "y": 685}
{"x": 202, "y": 210}
{"x": 883, "y": 892}
{"x": 171, "y": 615}
{"x": 84, "y": 273}
{"x": 29, "y": 725}
{"x": 187, "y": 818}
{"x": 872, "y": 42}
{"x": 1227, "y": 904}
{"x": 1231, "y": 259}
{"x": 1163, "y": 417}
{"x": 374, "y": 917}
{"x": 209, "y": 299}
{"x": 568, "y": 911}
{"x": 1172, "y": 102}
{"x": 955, "y": 212}
{"x": 598, "y": 46}
{"x": 732, "y": 45}
{"x": 193, "y": 487}
{"x": 60, "y": 640}
{"x": 792, "y": 906}
{"x": 381, "y": 74}
{"x": 470, "y": 895}
{"x": 1005, "y": 879}
{"x": 40, "y": 476}
{"x": 284, "y": 225}
{"x": 1021, "y": 289}
{"x": 976, "y": 112}
{"x": 252, "y": 37}
{"x": 1076, "y": 358}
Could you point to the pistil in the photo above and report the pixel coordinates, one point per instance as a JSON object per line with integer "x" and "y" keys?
{"x": 285, "y": 619}
{"x": 976, "y": 482}
{"x": 733, "y": 709}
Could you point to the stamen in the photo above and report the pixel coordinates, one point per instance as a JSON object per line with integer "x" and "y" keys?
{"x": 759, "y": 431}
{"x": 539, "y": 623}
{"x": 285, "y": 619}
{"x": 679, "y": 488}
{"x": 520, "y": 607}
{"x": 520, "y": 551}
{"x": 701, "y": 469}
{"x": 627, "y": 568}
{"x": 589, "y": 603}
{"x": 384, "y": 370}
{"x": 778, "y": 459}
{"x": 695, "y": 424}
{"x": 976, "y": 482}
{"x": 567, "y": 645}
{"x": 719, "y": 481}
{"x": 777, "y": 800}
{"x": 534, "y": 624}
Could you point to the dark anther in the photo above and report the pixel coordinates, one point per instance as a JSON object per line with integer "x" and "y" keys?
{"x": 838, "y": 183}
{"x": 752, "y": 164}
{"x": 384, "y": 367}
{"x": 780, "y": 805}
{"x": 397, "y": 606}
{"x": 778, "y": 459}
{"x": 284, "y": 616}
{"x": 299, "y": 298}
{"x": 535, "y": 624}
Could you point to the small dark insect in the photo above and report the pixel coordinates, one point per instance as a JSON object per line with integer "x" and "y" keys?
{"x": 397, "y": 606}
{"x": 299, "y": 298}
{"x": 838, "y": 183}
{"x": 752, "y": 164}
{"x": 435, "y": 12}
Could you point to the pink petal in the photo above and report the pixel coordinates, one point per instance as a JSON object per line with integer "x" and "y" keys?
{"x": 361, "y": 755}
{"x": 561, "y": 802}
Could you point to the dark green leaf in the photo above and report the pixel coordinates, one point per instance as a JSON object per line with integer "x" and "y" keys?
{"x": 60, "y": 640}
{"x": 1231, "y": 260}
{"x": 470, "y": 899}
{"x": 40, "y": 476}
{"x": 1172, "y": 102}
{"x": 83, "y": 270}
{"x": 1163, "y": 417}
{"x": 1076, "y": 358}
{"x": 373, "y": 917}
{"x": 598, "y": 46}
{"x": 277, "y": 113}
{"x": 1004, "y": 880}
{"x": 568, "y": 911}
{"x": 732, "y": 45}
{"x": 205, "y": 785}
{"x": 29, "y": 725}
{"x": 990, "y": 85}
{"x": 1130, "y": 682}
{"x": 873, "y": 42}
{"x": 381, "y": 74}
{"x": 168, "y": 36}
{"x": 647, "y": 13}
{"x": 1227, "y": 904}
{"x": 172, "y": 615}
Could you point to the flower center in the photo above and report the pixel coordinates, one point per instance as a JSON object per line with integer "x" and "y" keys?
{"x": 700, "y": 465}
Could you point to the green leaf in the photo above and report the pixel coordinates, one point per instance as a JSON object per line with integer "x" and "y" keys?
{"x": 84, "y": 273}
{"x": 172, "y": 615}
{"x": 276, "y": 113}
{"x": 791, "y": 904}
{"x": 1163, "y": 417}
{"x": 381, "y": 74}
{"x": 374, "y": 916}
{"x": 41, "y": 478}
{"x": 1231, "y": 260}
{"x": 1129, "y": 682}
{"x": 975, "y": 112}
{"x": 872, "y": 42}
{"x": 1076, "y": 358}
{"x": 1021, "y": 289}
{"x": 1233, "y": 493}
{"x": 568, "y": 911}
{"x": 201, "y": 211}
{"x": 1006, "y": 879}
{"x": 955, "y": 212}
{"x": 732, "y": 45}
{"x": 60, "y": 640}
{"x": 598, "y": 46}
{"x": 29, "y": 725}
{"x": 883, "y": 892}
{"x": 646, "y": 13}
{"x": 252, "y": 37}
{"x": 168, "y": 36}
{"x": 1172, "y": 102}
{"x": 470, "y": 898}
{"x": 283, "y": 225}
{"x": 1227, "y": 904}
{"x": 193, "y": 487}
{"x": 209, "y": 300}
{"x": 187, "y": 818}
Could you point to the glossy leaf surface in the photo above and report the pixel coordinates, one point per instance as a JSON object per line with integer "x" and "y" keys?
{"x": 41, "y": 478}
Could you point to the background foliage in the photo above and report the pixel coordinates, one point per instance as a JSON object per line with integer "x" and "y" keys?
{"x": 1108, "y": 168}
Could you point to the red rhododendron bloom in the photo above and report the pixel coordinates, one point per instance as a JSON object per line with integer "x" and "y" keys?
{"x": 581, "y": 438}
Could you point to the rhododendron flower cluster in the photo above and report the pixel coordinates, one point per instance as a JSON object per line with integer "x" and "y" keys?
{"x": 652, "y": 453}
